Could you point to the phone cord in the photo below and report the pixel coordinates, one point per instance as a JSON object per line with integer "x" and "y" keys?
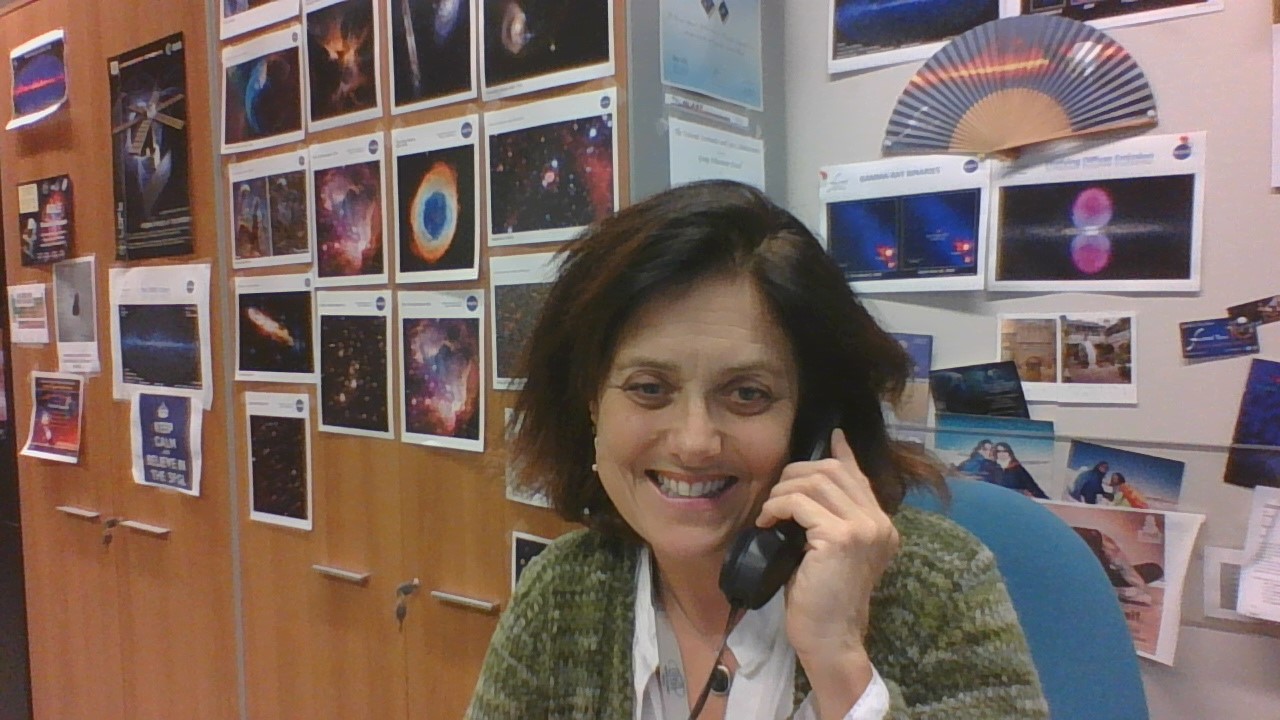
{"x": 735, "y": 614}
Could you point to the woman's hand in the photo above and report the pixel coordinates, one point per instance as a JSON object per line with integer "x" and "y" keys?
{"x": 851, "y": 542}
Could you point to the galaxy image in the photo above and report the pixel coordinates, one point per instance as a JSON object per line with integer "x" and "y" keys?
{"x": 278, "y": 459}
{"x": 160, "y": 345}
{"x": 552, "y": 176}
{"x": 353, "y": 372}
{"x": 437, "y": 209}
{"x": 340, "y": 59}
{"x": 515, "y": 310}
{"x": 1118, "y": 229}
{"x": 287, "y": 193}
{"x": 39, "y": 78}
{"x": 867, "y": 26}
{"x": 349, "y": 220}
{"x": 263, "y": 97}
{"x": 275, "y": 332}
{"x": 430, "y": 49}
{"x": 251, "y": 210}
{"x": 527, "y": 38}
{"x": 907, "y": 236}
{"x": 442, "y": 377}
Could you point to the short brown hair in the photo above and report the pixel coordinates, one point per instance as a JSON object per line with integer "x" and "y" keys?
{"x": 673, "y": 240}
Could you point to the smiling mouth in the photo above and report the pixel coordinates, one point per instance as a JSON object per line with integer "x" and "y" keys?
{"x": 679, "y": 489}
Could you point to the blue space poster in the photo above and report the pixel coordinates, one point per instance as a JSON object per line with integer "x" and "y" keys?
{"x": 1258, "y": 426}
{"x": 164, "y": 453}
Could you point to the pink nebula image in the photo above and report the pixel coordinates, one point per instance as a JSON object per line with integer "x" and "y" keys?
{"x": 1092, "y": 208}
{"x": 1091, "y": 252}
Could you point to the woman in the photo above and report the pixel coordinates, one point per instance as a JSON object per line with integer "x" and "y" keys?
{"x": 1125, "y": 494}
{"x": 981, "y": 464}
{"x": 1088, "y": 485}
{"x": 1013, "y": 475}
{"x": 685, "y": 353}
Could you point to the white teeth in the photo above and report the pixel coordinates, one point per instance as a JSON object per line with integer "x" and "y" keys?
{"x": 678, "y": 488}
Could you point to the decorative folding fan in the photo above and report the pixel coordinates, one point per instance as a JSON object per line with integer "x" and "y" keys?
{"x": 1016, "y": 81}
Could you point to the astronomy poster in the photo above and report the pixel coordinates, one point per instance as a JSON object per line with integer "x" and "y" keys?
{"x": 907, "y": 224}
{"x": 529, "y": 45}
{"x": 348, "y": 201}
{"x": 160, "y": 331}
{"x": 551, "y": 167}
{"x": 355, "y": 362}
{"x": 56, "y": 417}
{"x": 75, "y": 314}
{"x": 437, "y": 199}
{"x": 166, "y": 438}
{"x": 913, "y": 406}
{"x": 1258, "y": 424}
{"x": 28, "y": 314}
{"x": 39, "y": 77}
{"x": 342, "y": 42}
{"x": 45, "y": 220}
{"x": 149, "y": 140}
{"x": 873, "y": 34}
{"x": 714, "y": 48}
{"x": 433, "y": 53}
{"x": 275, "y": 328}
{"x": 241, "y": 16}
{"x": 519, "y": 285}
{"x": 442, "y": 361}
{"x": 262, "y": 90}
{"x": 279, "y": 429}
{"x": 270, "y": 211}
{"x": 1123, "y": 216}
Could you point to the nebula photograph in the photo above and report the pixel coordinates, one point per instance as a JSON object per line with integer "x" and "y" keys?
{"x": 287, "y": 197}
{"x": 442, "y": 377}
{"x": 278, "y": 465}
{"x": 529, "y": 38}
{"x": 437, "y": 223}
{"x": 275, "y": 332}
{"x": 353, "y": 372}
{"x": 341, "y": 59}
{"x": 860, "y": 27}
{"x": 348, "y": 220}
{"x": 160, "y": 345}
{"x": 553, "y": 176}
{"x": 250, "y": 205}
{"x": 1114, "y": 229}
{"x": 431, "y": 45}
{"x": 906, "y": 236}
{"x": 263, "y": 97}
{"x": 515, "y": 310}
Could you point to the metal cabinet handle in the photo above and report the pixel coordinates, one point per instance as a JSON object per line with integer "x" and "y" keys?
{"x": 149, "y": 529}
{"x": 78, "y": 512}
{"x": 355, "y": 578}
{"x": 484, "y": 606}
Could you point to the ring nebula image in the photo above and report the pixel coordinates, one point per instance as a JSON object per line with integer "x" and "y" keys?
{"x": 437, "y": 214}
{"x": 442, "y": 377}
{"x": 349, "y": 220}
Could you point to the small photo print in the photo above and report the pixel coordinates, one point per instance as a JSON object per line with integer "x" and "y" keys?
{"x": 45, "y": 220}
{"x": 442, "y": 357}
{"x": 1262, "y": 311}
{"x": 1097, "y": 349}
{"x": 279, "y": 427}
{"x": 910, "y": 236}
{"x": 347, "y": 187}
{"x": 262, "y": 91}
{"x": 353, "y": 373}
{"x": 1258, "y": 424}
{"x": 1101, "y": 475}
{"x": 275, "y": 324}
{"x": 541, "y": 44}
{"x": 862, "y": 28}
{"x": 1220, "y": 337}
{"x": 1014, "y": 453}
{"x": 342, "y": 62}
{"x": 436, "y": 201}
{"x": 432, "y": 52}
{"x": 984, "y": 389}
{"x": 269, "y": 211}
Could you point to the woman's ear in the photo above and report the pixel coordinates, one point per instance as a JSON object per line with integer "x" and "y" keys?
{"x": 593, "y": 409}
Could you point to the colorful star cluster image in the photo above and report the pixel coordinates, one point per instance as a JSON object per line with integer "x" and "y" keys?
{"x": 353, "y": 372}
{"x": 442, "y": 377}
{"x": 349, "y": 220}
{"x": 278, "y": 465}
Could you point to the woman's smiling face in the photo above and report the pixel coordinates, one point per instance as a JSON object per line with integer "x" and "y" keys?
{"x": 693, "y": 422}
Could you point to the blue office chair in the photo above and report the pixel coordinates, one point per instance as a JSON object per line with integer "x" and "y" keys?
{"x": 1068, "y": 608}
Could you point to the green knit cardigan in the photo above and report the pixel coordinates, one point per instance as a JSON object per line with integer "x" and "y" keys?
{"x": 943, "y": 633}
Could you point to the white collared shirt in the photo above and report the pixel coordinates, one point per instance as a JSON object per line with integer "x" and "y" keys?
{"x": 765, "y": 680}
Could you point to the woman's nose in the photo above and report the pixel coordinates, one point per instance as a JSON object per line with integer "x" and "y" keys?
{"x": 695, "y": 437}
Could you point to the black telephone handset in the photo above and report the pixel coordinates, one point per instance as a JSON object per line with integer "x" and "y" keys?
{"x": 761, "y": 560}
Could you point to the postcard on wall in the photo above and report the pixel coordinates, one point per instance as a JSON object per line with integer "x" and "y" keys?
{"x": 437, "y": 200}
{"x": 519, "y": 285}
{"x": 262, "y": 91}
{"x": 279, "y": 430}
{"x": 346, "y": 190}
{"x": 241, "y": 16}
{"x": 270, "y": 211}
{"x": 57, "y": 417}
{"x": 907, "y": 224}
{"x": 1217, "y": 338}
{"x": 355, "y": 362}
{"x": 1145, "y": 555}
{"x": 524, "y": 547}
{"x": 442, "y": 366}
{"x": 1102, "y": 475}
{"x": 342, "y": 49}
{"x": 160, "y": 331}
{"x": 552, "y": 167}
{"x": 166, "y": 435}
{"x": 1080, "y": 357}
{"x": 518, "y": 488}
{"x": 866, "y": 34}
{"x": 276, "y": 328}
{"x": 39, "y": 88}
{"x": 433, "y": 53}
{"x": 45, "y": 220}
{"x": 715, "y": 49}
{"x": 535, "y": 46}
{"x": 149, "y": 136}
{"x": 1262, "y": 311}
{"x": 1114, "y": 13}
{"x": 1121, "y": 216}
{"x": 28, "y": 314}
{"x": 1030, "y": 341}
{"x": 1014, "y": 453}
{"x": 1257, "y": 425}
{"x": 701, "y": 152}
{"x": 1222, "y": 583}
{"x": 984, "y": 389}
{"x": 75, "y": 314}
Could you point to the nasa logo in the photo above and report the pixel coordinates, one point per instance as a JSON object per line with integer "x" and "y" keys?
{"x": 294, "y": 36}
{"x": 302, "y": 161}
{"x": 466, "y": 130}
{"x": 1182, "y": 151}
{"x": 971, "y": 165}
{"x": 373, "y": 147}
{"x": 191, "y": 286}
{"x": 605, "y": 102}
{"x": 380, "y": 303}
{"x": 298, "y": 406}
{"x": 472, "y": 303}
{"x": 306, "y": 282}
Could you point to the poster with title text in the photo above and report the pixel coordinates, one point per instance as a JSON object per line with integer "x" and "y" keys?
{"x": 45, "y": 220}
{"x": 160, "y": 331}
{"x": 57, "y": 419}
{"x": 166, "y": 437}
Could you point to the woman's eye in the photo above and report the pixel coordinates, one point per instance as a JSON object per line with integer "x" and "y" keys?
{"x": 751, "y": 398}
{"x": 647, "y": 393}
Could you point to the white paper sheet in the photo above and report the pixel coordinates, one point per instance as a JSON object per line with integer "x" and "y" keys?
{"x": 1260, "y": 570}
{"x": 348, "y": 198}
{"x": 714, "y": 50}
{"x": 519, "y": 284}
{"x": 1222, "y": 583}
{"x": 276, "y": 335}
{"x": 238, "y": 17}
{"x": 280, "y": 480}
{"x": 75, "y": 305}
{"x": 442, "y": 368}
{"x": 701, "y": 152}
{"x": 355, "y": 362}
{"x": 524, "y": 547}
{"x": 267, "y": 79}
{"x": 28, "y": 314}
{"x": 166, "y": 436}
{"x": 57, "y": 417}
